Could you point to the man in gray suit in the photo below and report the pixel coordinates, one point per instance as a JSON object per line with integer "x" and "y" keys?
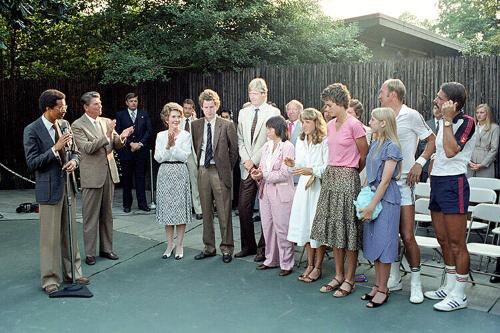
{"x": 44, "y": 143}
{"x": 96, "y": 138}
{"x": 293, "y": 110}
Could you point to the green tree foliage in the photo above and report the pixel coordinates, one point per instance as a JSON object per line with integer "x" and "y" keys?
{"x": 214, "y": 35}
{"x": 17, "y": 20}
{"x": 132, "y": 41}
{"x": 472, "y": 22}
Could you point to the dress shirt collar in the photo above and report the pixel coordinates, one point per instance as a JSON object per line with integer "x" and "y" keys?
{"x": 92, "y": 120}
{"x": 47, "y": 123}
{"x": 260, "y": 107}
{"x": 211, "y": 122}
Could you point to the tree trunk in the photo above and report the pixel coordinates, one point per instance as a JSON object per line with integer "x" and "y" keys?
{"x": 12, "y": 53}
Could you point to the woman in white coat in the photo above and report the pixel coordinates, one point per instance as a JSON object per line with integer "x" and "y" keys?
{"x": 311, "y": 159}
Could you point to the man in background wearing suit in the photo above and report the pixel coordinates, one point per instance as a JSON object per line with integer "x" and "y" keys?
{"x": 189, "y": 111}
{"x": 96, "y": 138}
{"x": 293, "y": 110}
{"x": 433, "y": 124}
{"x": 44, "y": 142}
{"x": 251, "y": 137}
{"x": 216, "y": 145}
{"x": 134, "y": 156}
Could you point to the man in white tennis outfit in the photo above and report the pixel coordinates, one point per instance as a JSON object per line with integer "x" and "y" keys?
{"x": 411, "y": 127}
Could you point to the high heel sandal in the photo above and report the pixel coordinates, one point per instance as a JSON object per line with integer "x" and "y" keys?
{"x": 329, "y": 287}
{"x": 373, "y": 304}
{"x": 168, "y": 253}
{"x": 309, "y": 279}
{"x": 342, "y": 292}
{"x": 367, "y": 296}
{"x": 302, "y": 276}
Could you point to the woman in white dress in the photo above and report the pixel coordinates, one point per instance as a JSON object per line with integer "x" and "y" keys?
{"x": 173, "y": 193}
{"x": 311, "y": 159}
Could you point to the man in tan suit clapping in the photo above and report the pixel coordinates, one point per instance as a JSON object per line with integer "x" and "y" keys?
{"x": 96, "y": 138}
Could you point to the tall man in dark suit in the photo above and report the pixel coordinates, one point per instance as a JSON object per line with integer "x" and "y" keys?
{"x": 216, "y": 146}
{"x": 96, "y": 138}
{"x": 134, "y": 156}
{"x": 44, "y": 144}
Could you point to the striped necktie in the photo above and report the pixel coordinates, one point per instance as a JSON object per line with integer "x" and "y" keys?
{"x": 254, "y": 124}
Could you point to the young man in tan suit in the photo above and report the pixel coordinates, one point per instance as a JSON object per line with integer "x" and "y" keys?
{"x": 216, "y": 146}
{"x": 96, "y": 138}
{"x": 251, "y": 137}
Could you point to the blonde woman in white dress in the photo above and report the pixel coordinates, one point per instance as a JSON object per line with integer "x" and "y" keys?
{"x": 311, "y": 159}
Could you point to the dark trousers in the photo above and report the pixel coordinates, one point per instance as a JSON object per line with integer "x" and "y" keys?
{"x": 134, "y": 169}
{"x": 246, "y": 201}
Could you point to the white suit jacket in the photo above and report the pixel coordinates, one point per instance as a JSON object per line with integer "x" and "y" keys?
{"x": 252, "y": 150}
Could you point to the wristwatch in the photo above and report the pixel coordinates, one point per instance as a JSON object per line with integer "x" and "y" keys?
{"x": 447, "y": 123}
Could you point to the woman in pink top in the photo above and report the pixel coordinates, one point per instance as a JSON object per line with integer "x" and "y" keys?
{"x": 335, "y": 223}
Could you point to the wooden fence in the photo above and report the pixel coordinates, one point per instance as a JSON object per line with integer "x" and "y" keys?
{"x": 422, "y": 77}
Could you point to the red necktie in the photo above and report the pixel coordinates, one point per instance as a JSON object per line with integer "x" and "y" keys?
{"x": 290, "y": 127}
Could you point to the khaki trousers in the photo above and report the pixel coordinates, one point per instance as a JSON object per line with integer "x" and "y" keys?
{"x": 55, "y": 264}
{"x": 212, "y": 188}
{"x": 96, "y": 207}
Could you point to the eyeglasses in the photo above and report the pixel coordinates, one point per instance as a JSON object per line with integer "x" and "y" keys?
{"x": 62, "y": 108}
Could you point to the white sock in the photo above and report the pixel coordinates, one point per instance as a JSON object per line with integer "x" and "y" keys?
{"x": 395, "y": 273}
{"x": 459, "y": 289}
{"x": 415, "y": 276}
{"x": 451, "y": 278}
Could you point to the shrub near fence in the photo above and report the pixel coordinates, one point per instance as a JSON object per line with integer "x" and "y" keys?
{"x": 422, "y": 77}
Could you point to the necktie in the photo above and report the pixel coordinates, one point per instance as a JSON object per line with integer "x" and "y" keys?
{"x": 254, "y": 124}
{"x": 132, "y": 116}
{"x": 208, "y": 149}
{"x": 186, "y": 125}
{"x": 57, "y": 134}
{"x": 437, "y": 127}
{"x": 59, "y": 152}
{"x": 290, "y": 129}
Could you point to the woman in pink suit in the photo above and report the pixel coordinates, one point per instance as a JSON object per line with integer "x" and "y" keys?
{"x": 276, "y": 196}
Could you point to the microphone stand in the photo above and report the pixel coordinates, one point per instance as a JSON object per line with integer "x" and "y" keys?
{"x": 153, "y": 204}
{"x": 74, "y": 289}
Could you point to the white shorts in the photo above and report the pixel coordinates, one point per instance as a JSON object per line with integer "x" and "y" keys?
{"x": 407, "y": 196}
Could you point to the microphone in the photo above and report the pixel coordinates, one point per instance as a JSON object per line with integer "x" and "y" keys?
{"x": 65, "y": 129}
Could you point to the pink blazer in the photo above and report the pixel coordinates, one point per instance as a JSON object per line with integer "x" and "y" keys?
{"x": 278, "y": 178}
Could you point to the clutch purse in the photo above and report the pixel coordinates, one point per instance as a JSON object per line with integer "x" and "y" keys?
{"x": 364, "y": 198}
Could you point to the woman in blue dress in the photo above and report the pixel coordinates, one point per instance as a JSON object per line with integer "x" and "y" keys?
{"x": 381, "y": 235}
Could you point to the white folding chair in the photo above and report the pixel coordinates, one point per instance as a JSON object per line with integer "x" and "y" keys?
{"x": 483, "y": 182}
{"x": 423, "y": 214}
{"x": 479, "y": 196}
{"x": 422, "y": 190}
{"x": 491, "y": 214}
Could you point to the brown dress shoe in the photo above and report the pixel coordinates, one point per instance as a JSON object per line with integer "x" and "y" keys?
{"x": 285, "y": 272}
{"x": 262, "y": 267}
{"x": 90, "y": 260}
{"x": 244, "y": 253}
{"x": 81, "y": 280}
{"x": 259, "y": 257}
{"x": 109, "y": 255}
{"x": 50, "y": 289}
